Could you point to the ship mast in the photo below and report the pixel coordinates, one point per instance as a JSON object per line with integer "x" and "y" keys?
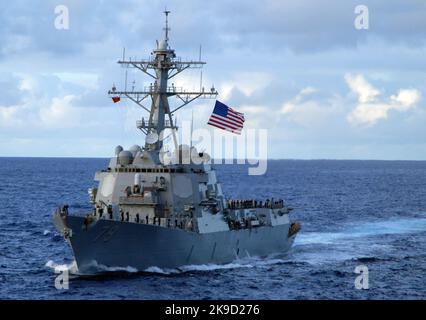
{"x": 162, "y": 66}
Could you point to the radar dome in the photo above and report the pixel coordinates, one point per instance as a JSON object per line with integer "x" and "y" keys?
{"x": 162, "y": 45}
{"x": 125, "y": 157}
{"x": 118, "y": 149}
{"x": 135, "y": 149}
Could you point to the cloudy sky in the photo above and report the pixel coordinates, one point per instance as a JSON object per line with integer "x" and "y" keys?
{"x": 300, "y": 69}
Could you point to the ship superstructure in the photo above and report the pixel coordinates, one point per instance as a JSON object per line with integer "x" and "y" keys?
{"x": 151, "y": 209}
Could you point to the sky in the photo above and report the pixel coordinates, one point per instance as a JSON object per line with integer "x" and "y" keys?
{"x": 322, "y": 88}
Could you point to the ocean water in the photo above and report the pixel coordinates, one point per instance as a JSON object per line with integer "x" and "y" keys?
{"x": 353, "y": 213}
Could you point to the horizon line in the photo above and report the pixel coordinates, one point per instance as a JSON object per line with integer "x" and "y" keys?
{"x": 222, "y": 160}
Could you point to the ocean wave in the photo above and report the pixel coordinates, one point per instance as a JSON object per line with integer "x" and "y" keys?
{"x": 94, "y": 268}
{"x": 369, "y": 259}
{"x": 71, "y": 267}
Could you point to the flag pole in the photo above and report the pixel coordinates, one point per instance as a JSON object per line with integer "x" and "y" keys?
{"x": 192, "y": 129}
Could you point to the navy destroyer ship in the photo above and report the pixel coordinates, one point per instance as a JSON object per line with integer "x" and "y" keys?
{"x": 148, "y": 212}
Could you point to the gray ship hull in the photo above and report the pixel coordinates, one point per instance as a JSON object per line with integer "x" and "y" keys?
{"x": 115, "y": 244}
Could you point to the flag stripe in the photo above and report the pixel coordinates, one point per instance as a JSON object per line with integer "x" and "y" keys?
{"x": 230, "y": 118}
{"x": 237, "y": 118}
{"x": 222, "y": 126}
{"x": 236, "y": 113}
{"x": 225, "y": 121}
{"x": 239, "y": 114}
{"x": 226, "y": 118}
{"x": 225, "y": 128}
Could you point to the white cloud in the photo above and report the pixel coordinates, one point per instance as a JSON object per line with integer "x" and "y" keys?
{"x": 294, "y": 105}
{"x": 365, "y": 91}
{"x": 257, "y": 116}
{"x": 307, "y": 91}
{"x": 370, "y": 109}
{"x": 28, "y": 83}
{"x": 8, "y": 117}
{"x": 43, "y": 114}
{"x": 246, "y": 82}
{"x": 14, "y": 44}
{"x": 304, "y": 110}
{"x": 90, "y": 80}
{"x": 252, "y": 109}
{"x": 60, "y": 113}
{"x": 405, "y": 99}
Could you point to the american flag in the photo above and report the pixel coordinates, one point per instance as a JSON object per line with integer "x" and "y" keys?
{"x": 226, "y": 118}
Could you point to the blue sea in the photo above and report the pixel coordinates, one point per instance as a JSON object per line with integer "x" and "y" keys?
{"x": 353, "y": 213}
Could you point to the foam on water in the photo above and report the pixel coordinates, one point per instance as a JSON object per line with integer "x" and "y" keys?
{"x": 94, "y": 268}
{"x": 249, "y": 262}
{"x": 212, "y": 267}
{"x": 102, "y": 268}
{"x": 364, "y": 229}
{"x": 200, "y": 267}
{"x": 353, "y": 241}
{"x": 160, "y": 270}
{"x": 71, "y": 267}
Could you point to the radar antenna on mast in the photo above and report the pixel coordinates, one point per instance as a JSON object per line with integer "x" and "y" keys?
{"x": 167, "y": 29}
{"x": 161, "y": 66}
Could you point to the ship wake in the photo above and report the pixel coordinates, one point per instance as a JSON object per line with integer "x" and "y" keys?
{"x": 248, "y": 262}
{"x": 93, "y": 269}
{"x": 362, "y": 230}
{"x": 58, "y": 268}
{"x": 356, "y": 242}
{"x": 99, "y": 269}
